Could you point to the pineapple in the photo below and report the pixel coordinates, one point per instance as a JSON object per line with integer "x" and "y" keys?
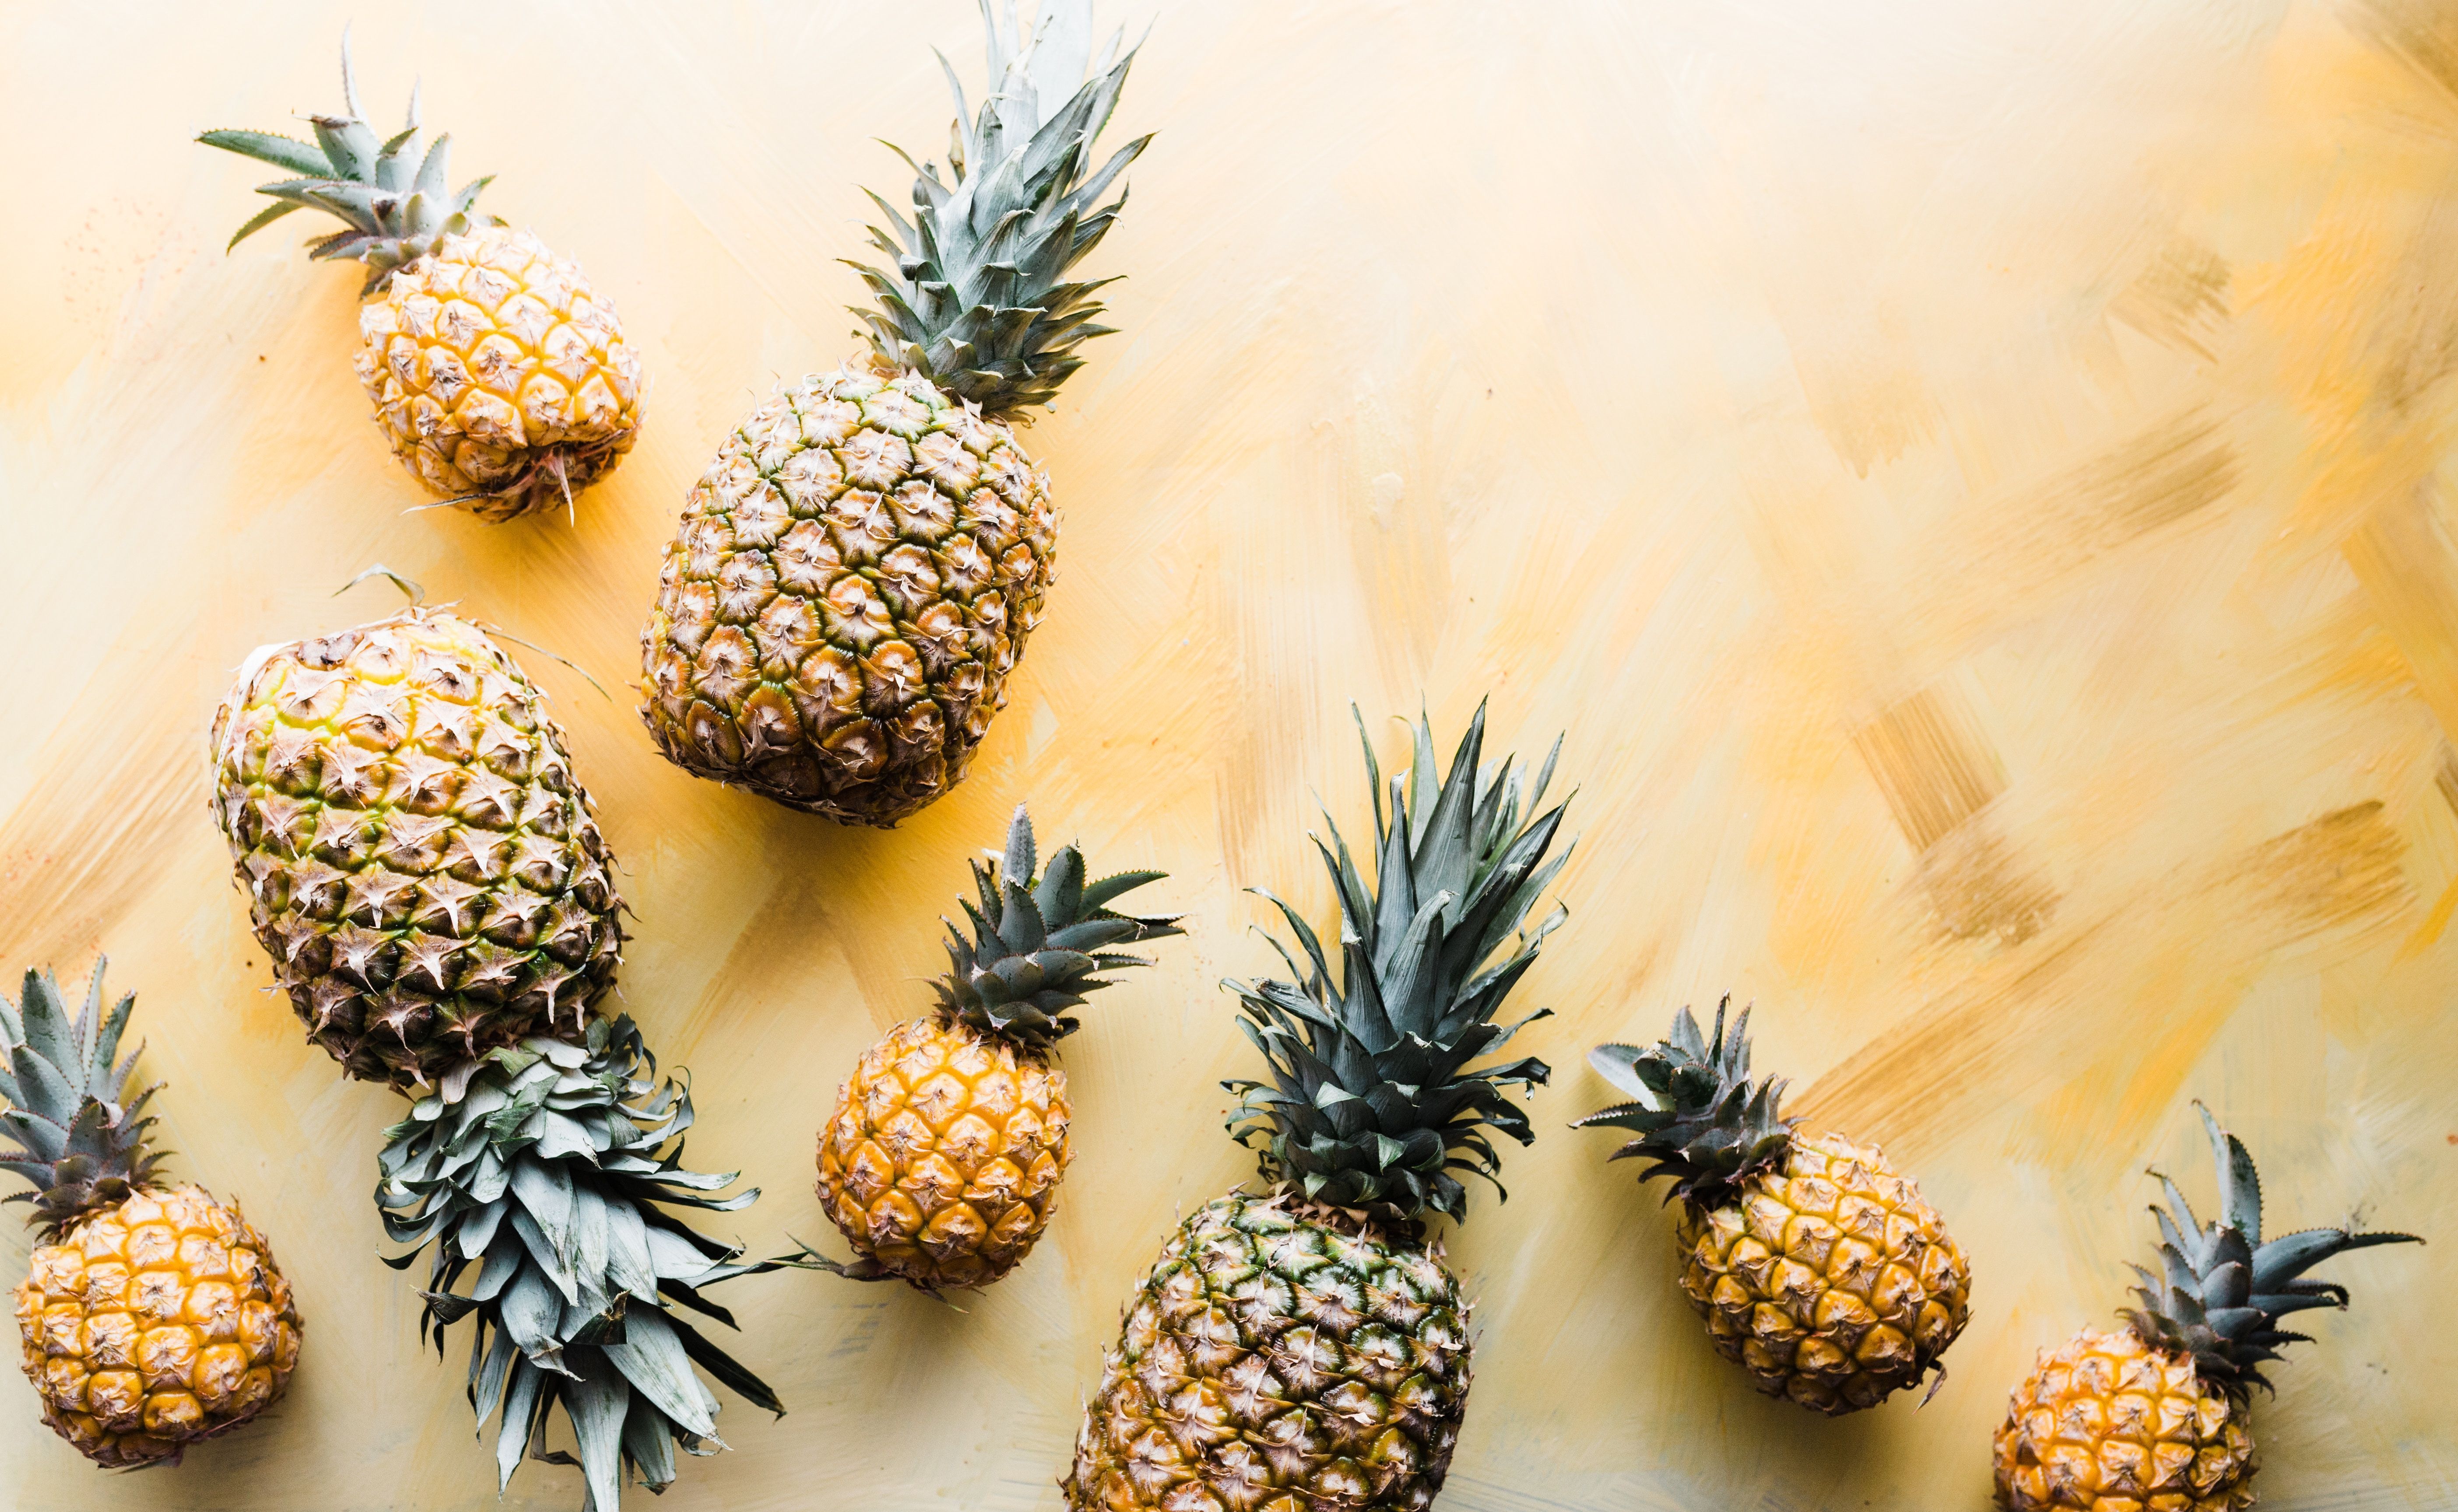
{"x": 943, "y": 1157}
{"x": 2152, "y": 1418}
{"x": 419, "y": 862}
{"x": 500, "y": 378}
{"x": 1303, "y": 1348}
{"x": 154, "y": 1318}
{"x": 425, "y": 873}
{"x": 1818, "y": 1267}
{"x": 856, "y": 572}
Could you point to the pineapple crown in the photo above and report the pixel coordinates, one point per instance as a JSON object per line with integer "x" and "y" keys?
{"x": 1037, "y": 944}
{"x": 978, "y": 300}
{"x": 82, "y": 1146}
{"x": 544, "y": 1166}
{"x": 392, "y": 198}
{"x": 2220, "y": 1291}
{"x": 1696, "y": 1111}
{"x": 1369, "y": 1105}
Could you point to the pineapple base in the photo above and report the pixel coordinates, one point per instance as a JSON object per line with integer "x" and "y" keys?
{"x": 1830, "y": 1281}
{"x": 1272, "y": 1362}
{"x": 499, "y": 377}
{"x": 942, "y": 1160}
{"x": 155, "y": 1324}
{"x": 2106, "y": 1423}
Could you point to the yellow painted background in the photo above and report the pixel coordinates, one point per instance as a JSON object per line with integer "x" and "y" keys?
{"x": 1968, "y": 479}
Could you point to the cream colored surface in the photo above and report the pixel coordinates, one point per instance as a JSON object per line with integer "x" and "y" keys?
{"x": 1969, "y": 479}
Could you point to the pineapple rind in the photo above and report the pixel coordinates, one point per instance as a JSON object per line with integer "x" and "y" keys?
{"x": 1830, "y": 1281}
{"x": 942, "y": 1160}
{"x": 2106, "y": 1423}
{"x": 499, "y": 375}
{"x": 1275, "y": 1362}
{"x": 420, "y": 865}
{"x": 153, "y": 1324}
{"x": 851, "y": 584}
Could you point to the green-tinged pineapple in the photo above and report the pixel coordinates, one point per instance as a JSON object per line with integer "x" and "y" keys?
{"x": 1303, "y": 1348}
{"x": 943, "y": 1157}
{"x": 426, "y": 872}
{"x": 857, "y": 570}
{"x": 152, "y": 1317}
{"x": 1817, "y": 1266}
{"x": 420, "y": 862}
{"x": 2153, "y": 1416}
{"x": 500, "y": 378}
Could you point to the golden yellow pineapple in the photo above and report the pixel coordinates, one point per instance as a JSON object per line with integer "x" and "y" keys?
{"x": 856, "y": 571}
{"x": 943, "y": 1155}
{"x": 500, "y": 378}
{"x": 2153, "y": 1417}
{"x": 1816, "y": 1264}
{"x": 152, "y": 1317}
{"x": 1304, "y": 1349}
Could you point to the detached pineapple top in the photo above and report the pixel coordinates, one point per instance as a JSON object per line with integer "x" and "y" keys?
{"x": 1370, "y": 1105}
{"x": 390, "y": 196}
{"x": 979, "y": 300}
{"x": 2220, "y": 1291}
{"x": 82, "y": 1147}
{"x": 1038, "y": 943}
{"x": 1698, "y": 1114}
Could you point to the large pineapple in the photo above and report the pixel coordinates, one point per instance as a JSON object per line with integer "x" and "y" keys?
{"x": 2152, "y": 1416}
{"x": 943, "y": 1157}
{"x": 499, "y": 376}
{"x": 1817, "y": 1266}
{"x": 1303, "y": 1348}
{"x": 154, "y": 1318}
{"x": 425, "y": 873}
{"x": 857, "y": 570}
{"x": 420, "y": 865}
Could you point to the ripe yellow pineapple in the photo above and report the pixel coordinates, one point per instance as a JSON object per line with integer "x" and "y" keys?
{"x": 425, "y": 871}
{"x": 943, "y": 1157}
{"x": 1304, "y": 1349}
{"x": 856, "y": 572}
{"x": 2152, "y": 1418}
{"x": 500, "y": 378}
{"x": 1817, "y": 1266}
{"x": 152, "y": 1317}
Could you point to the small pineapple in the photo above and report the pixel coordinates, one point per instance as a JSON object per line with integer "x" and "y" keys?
{"x": 2152, "y": 1418}
{"x": 943, "y": 1158}
{"x": 1818, "y": 1268}
{"x": 500, "y": 378}
{"x": 153, "y": 1316}
{"x": 857, "y": 570}
{"x": 1303, "y": 1349}
{"x": 426, "y": 872}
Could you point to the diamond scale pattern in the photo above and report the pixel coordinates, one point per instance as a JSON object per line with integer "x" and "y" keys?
{"x": 849, "y": 588}
{"x": 422, "y": 868}
{"x": 2106, "y": 1423}
{"x": 499, "y": 376}
{"x": 157, "y": 1323}
{"x": 942, "y": 1160}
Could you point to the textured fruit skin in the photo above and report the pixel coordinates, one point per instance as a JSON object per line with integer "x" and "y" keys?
{"x": 1830, "y": 1281}
{"x": 154, "y": 1324}
{"x": 1271, "y": 1363}
{"x": 851, "y": 584}
{"x": 2106, "y": 1423}
{"x": 942, "y": 1160}
{"x": 419, "y": 865}
{"x": 490, "y": 361}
